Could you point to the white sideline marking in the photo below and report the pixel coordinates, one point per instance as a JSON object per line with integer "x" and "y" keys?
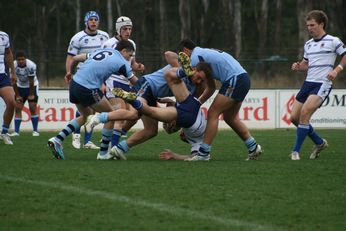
{"x": 227, "y": 221}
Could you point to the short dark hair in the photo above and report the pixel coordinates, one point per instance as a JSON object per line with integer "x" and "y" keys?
{"x": 125, "y": 44}
{"x": 205, "y": 67}
{"x": 187, "y": 43}
{"x": 20, "y": 54}
{"x": 319, "y": 16}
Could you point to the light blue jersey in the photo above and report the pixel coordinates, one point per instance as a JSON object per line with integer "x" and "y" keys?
{"x": 100, "y": 65}
{"x": 159, "y": 86}
{"x": 224, "y": 66}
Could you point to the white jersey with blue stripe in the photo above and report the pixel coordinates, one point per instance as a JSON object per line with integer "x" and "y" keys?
{"x": 23, "y": 73}
{"x": 4, "y": 43}
{"x": 223, "y": 65}
{"x": 84, "y": 43}
{"x": 101, "y": 64}
{"x": 112, "y": 43}
{"x": 159, "y": 86}
{"x": 320, "y": 55}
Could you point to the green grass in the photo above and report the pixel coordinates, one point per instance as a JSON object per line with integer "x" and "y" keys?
{"x": 38, "y": 192}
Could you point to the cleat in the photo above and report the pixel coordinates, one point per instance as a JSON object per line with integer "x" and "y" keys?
{"x": 91, "y": 122}
{"x": 56, "y": 148}
{"x": 184, "y": 61}
{"x": 128, "y": 96}
{"x": 7, "y": 139}
{"x": 198, "y": 158}
{"x": 14, "y": 134}
{"x": 317, "y": 150}
{"x": 91, "y": 145}
{"x": 117, "y": 153}
{"x": 295, "y": 156}
{"x": 255, "y": 154}
{"x": 35, "y": 133}
{"x": 106, "y": 156}
{"x": 76, "y": 140}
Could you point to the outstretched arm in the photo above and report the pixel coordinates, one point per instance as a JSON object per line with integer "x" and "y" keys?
{"x": 169, "y": 155}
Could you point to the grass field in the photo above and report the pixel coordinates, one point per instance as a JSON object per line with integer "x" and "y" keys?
{"x": 38, "y": 192}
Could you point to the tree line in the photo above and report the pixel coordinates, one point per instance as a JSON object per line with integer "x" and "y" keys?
{"x": 265, "y": 35}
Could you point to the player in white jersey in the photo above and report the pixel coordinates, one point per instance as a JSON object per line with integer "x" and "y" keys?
{"x": 235, "y": 86}
{"x": 27, "y": 87}
{"x": 6, "y": 89}
{"x": 319, "y": 57}
{"x": 85, "y": 93}
{"x": 193, "y": 135}
{"x": 123, "y": 28}
{"x": 84, "y": 42}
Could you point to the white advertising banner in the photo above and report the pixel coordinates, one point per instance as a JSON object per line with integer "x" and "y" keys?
{"x": 261, "y": 109}
{"x": 332, "y": 113}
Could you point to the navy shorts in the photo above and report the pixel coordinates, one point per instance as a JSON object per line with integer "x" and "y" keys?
{"x": 187, "y": 112}
{"x": 143, "y": 90}
{"x": 84, "y": 96}
{"x": 5, "y": 81}
{"x": 24, "y": 92}
{"x": 237, "y": 87}
{"x": 313, "y": 88}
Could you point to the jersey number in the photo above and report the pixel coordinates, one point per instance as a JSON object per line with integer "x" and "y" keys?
{"x": 101, "y": 55}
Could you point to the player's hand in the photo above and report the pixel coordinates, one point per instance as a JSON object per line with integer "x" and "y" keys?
{"x": 68, "y": 78}
{"x": 31, "y": 97}
{"x": 166, "y": 155}
{"x": 332, "y": 75}
{"x": 19, "y": 99}
{"x": 295, "y": 66}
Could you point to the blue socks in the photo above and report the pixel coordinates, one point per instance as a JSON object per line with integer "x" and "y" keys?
{"x": 116, "y": 137}
{"x": 302, "y": 132}
{"x": 71, "y": 127}
{"x": 34, "y": 121}
{"x": 106, "y": 137}
{"x": 137, "y": 104}
{"x": 313, "y": 135}
{"x": 17, "y": 122}
{"x": 251, "y": 144}
{"x": 204, "y": 149}
{"x": 123, "y": 146}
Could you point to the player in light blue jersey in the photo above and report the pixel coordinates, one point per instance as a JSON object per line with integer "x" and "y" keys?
{"x": 6, "y": 89}
{"x": 319, "y": 58}
{"x": 235, "y": 86}
{"x": 27, "y": 87}
{"x": 85, "y": 93}
{"x": 150, "y": 88}
{"x": 184, "y": 113}
{"x": 85, "y": 41}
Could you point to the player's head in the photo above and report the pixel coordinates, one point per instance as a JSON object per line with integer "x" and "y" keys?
{"x": 126, "y": 48}
{"x": 21, "y": 58}
{"x": 203, "y": 71}
{"x": 123, "y": 27}
{"x": 186, "y": 45}
{"x": 319, "y": 16}
{"x": 91, "y": 20}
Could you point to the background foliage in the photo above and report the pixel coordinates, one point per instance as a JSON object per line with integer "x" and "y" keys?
{"x": 266, "y": 36}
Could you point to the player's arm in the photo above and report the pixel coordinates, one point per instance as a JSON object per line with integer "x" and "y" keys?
{"x": 31, "y": 88}
{"x": 69, "y": 61}
{"x": 300, "y": 66}
{"x": 172, "y": 58}
{"x": 133, "y": 80}
{"x": 208, "y": 89}
{"x": 10, "y": 64}
{"x": 339, "y": 68}
{"x": 137, "y": 67}
{"x": 169, "y": 155}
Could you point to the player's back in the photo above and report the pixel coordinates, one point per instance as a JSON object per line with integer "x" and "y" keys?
{"x": 99, "y": 66}
{"x": 223, "y": 65}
